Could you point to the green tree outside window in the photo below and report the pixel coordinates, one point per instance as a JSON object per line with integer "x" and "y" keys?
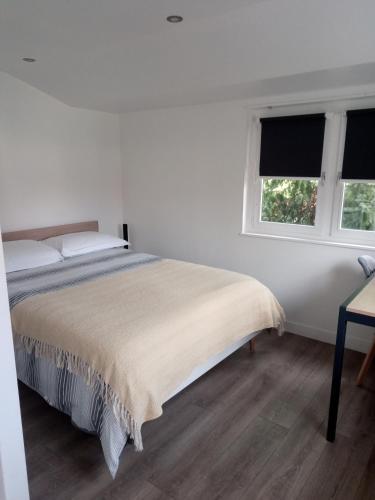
{"x": 289, "y": 201}
{"x": 359, "y": 206}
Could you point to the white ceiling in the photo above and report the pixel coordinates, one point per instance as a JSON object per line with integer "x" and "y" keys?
{"x": 121, "y": 55}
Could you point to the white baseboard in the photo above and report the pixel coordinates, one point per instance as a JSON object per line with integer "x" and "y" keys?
{"x": 352, "y": 341}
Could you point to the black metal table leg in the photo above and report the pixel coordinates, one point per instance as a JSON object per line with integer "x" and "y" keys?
{"x": 336, "y": 376}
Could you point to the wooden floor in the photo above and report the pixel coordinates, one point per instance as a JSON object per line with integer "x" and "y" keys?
{"x": 252, "y": 428}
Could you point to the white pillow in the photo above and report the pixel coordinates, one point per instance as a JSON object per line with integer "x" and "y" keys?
{"x": 27, "y": 254}
{"x": 70, "y": 245}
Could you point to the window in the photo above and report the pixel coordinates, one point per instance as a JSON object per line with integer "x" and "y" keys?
{"x": 289, "y": 201}
{"x": 358, "y": 210}
{"x": 312, "y": 175}
{"x": 290, "y": 165}
{"x": 356, "y": 189}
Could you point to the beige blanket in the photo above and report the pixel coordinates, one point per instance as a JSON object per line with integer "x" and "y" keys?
{"x": 142, "y": 332}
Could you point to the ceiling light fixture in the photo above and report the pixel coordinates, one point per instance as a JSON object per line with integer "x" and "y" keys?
{"x": 28, "y": 59}
{"x": 174, "y": 19}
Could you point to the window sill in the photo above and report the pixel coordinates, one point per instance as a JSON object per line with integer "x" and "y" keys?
{"x": 359, "y": 246}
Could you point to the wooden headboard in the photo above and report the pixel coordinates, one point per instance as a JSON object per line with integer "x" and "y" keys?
{"x": 47, "y": 232}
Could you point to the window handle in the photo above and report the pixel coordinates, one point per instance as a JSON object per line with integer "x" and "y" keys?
{"x": 323, "y": 178}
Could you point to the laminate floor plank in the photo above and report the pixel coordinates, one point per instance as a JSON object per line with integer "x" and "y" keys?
{"x": 225, "y": 422}
{"x": 337, "y": 473}
{"x": 241, "y": 462}
{"x": 292, "y": 463}
{"x": 286, "y": 407}
{"x": 252, "y": 428}
{"x": 366, "y": 486}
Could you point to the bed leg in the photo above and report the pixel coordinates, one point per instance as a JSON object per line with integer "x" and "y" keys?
{"x": 252, "y": 345}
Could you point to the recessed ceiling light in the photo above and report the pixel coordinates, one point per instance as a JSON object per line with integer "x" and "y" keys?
{"x": 28, "y": 59}
{"x": 174, "y": 19}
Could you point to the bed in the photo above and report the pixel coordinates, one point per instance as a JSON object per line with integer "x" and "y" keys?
{"x": 109, "y": 337}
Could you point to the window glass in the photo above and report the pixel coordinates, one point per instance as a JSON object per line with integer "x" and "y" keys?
{"x": 289, "y": 201}
{"x": 358, "y": 211}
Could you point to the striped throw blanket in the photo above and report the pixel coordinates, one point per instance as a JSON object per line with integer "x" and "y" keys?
{"x": 24, "y": 284}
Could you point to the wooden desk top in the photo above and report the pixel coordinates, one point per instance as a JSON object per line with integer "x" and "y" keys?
{"x": 364, "y": 301}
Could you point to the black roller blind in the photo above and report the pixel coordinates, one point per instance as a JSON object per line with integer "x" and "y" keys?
{"x": 292, "y": 146}
{"x": 359, "y": 151}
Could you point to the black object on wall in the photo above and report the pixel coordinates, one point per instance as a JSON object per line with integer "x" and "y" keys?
{"x": 125, "y": 233}
{"x": 292, "y": 146}
{"x": 359, "y": 152}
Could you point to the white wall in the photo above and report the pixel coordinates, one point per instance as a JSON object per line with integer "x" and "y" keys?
{"x": 184, "y": 171}
{"x": 181, "y": 186}
{"x": 13, "y": 478}
{"x": 58, "y": 164}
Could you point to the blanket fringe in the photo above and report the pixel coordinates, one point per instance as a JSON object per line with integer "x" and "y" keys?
{"x": 91, "y": 377}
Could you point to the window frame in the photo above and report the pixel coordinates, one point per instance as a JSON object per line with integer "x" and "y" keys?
{"x": 327, "y": 228}
{"x": 354, "y": 236}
